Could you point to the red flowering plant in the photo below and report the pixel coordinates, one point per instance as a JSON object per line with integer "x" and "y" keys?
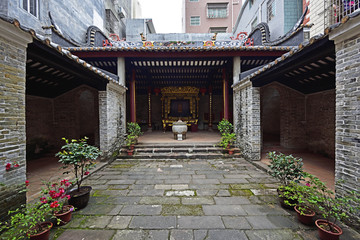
{"x": 26, "y": 220}
{"x": 10, "y": 166}
{"x": 55, "y": 195}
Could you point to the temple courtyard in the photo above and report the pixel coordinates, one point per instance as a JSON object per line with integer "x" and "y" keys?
{"x": 185, "y": 198}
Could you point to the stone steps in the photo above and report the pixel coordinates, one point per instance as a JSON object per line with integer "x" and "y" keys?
{"x": 181, "y": 151}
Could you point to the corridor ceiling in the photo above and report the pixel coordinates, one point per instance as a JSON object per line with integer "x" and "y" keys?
{"x": 179, "y": 71}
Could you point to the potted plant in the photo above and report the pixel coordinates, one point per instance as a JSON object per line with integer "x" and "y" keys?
{"x": 130, "y": 142}
{"x": 81, "y": 157}
{"x": 286, "y": 169}
{"x": 28, "y": 221}
{"x": 55, "y": 194}
{"x": 134, "y": 130}
{"x": 225, "y": 126}
{"x": 227, "y": 139}
{"x": 298, "y": 196}
{"x": 332, "y": 208}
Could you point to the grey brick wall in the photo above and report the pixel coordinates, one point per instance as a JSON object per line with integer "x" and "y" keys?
{"x": 247, "y": 120}
{"x": 112, "y": 109}
{"x": 12, "y": 123}
{"x": 348, "y": 114}
{"x": 72, "y": 115}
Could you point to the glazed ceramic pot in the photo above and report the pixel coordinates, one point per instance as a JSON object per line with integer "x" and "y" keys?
{"x": 80, "y": 199}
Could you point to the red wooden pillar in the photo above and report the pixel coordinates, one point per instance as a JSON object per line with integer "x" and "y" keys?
{"x": 225, "y": 95}
{"x": 149, "y": 108}
{"x": 210, "y": 108}
{"x": 132, "y": 98}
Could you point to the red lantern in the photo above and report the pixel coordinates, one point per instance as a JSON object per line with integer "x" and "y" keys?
{"x": 157, "y": 91}
{"x": 203, "y": 91}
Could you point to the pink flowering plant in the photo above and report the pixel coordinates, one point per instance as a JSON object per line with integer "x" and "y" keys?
{"x": 80, "y": 156}
{"x": 55, "y": 194}
{"x": 26, "y": 220}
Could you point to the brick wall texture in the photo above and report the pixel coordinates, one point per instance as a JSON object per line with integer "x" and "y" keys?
{"x": 306, "y": 121}
{"x": 348, "y": 114}
{"x": 72, "y": 115}
{"x": 112, "y": 106}
{"x": 12, "y": 123}
{"x": 247, "y": 120}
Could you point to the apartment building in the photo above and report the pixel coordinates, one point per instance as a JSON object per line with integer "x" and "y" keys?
{"x": 210, "y": 16}
{"x": 280, "y": 15}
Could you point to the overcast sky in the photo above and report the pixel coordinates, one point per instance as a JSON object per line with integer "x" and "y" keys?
{"x": 166, "y": 14}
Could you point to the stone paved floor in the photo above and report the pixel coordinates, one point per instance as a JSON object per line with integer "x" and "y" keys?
{"x": 197, "y": 199}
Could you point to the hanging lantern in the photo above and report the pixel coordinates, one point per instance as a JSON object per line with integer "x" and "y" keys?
{"x": 203, "y": 91}
{"x": 157, "y": 91}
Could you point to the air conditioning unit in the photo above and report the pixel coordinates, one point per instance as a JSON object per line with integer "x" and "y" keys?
{"x": 121, "y": 12}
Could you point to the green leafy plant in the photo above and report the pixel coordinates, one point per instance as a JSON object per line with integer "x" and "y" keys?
{"x": 320, "y": 198}
{"x": 225, "y": 127}
{"x": 26, "y": 220}
{"x": 80, "y": 156}
{"x": 130, "y": 140}
{"x": 133, "y": 129}
{"x": 227, "y": 139}
{"x": 286, "y": 168}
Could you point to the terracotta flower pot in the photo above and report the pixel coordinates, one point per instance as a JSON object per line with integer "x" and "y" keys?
{"x": 65, "y": 216}
{"x": 307, "y": 217}
{"x": 45, "y": 234}
{"x": 80, "y": 199}
{"x": 231, "y": 151}
{"x": 324, "y": 230}
{"x": 130, "y": 152}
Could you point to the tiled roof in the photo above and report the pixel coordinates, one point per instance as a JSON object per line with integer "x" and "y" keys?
{"x": 301, "y": 47}
{"x": 181, "y": 49}
{"x": 57, "y": 47}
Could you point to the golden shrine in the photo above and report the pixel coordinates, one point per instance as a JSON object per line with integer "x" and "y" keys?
{"x": 180, "y": 103}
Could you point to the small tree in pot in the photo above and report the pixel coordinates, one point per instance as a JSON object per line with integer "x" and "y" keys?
{"x": 81, "y": 157}
{"x": 332, "y": 209}
{"x": 287, "y": 169}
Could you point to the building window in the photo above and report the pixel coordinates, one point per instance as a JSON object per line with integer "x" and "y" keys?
{"x": 217, "y": 10}
{"x": 31, "y": 6}
{"x": 218, "y": 29}
{"x": 254, "y": 24}
{"x": 195, "y": 21}
{"x": 271, "y": 7}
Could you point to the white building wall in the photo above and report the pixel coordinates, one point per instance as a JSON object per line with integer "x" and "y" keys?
{"x": 317, "y": 17}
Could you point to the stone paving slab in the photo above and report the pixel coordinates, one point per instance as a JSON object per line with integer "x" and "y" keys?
{"x": 153, "y": 222}
{"x": 195, "y": 199}
{"x": 223, "y": 210}
{"x": 226, "y": 234}
{"x": 284, "y": 234}
{"x": 76, "y": 234}
{"x": 141, "y": 210}
{"x": 201, "y": 222}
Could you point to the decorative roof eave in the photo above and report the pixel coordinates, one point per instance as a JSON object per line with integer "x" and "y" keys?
{"x": 300, "y": 48}
{"x": 181, "y": 49}
{"x": 284, "y": 57}
{"x": 58, "y": 48}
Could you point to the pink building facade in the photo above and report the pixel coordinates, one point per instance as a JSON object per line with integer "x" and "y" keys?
{"x": 210, "y": 16}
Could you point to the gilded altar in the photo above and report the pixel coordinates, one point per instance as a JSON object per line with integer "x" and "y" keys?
{"x": 179, "y": 103}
